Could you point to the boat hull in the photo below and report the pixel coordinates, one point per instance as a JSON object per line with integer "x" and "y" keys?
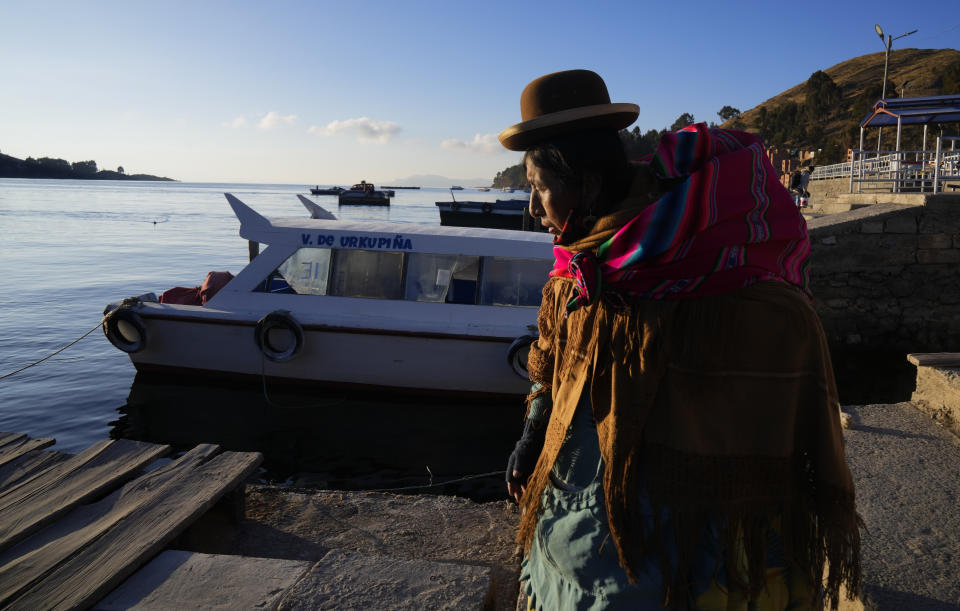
{"x": 371, "y": 359}
{"x": 365, "y": 200}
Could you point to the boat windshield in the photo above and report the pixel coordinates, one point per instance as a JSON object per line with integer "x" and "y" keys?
{"x": 424, "y": 277}
{"x": 513, "y": 282}
{"x": 441, "y": 278}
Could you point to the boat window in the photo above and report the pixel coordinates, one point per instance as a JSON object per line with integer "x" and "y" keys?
{"x": 304, "y": 272}
{"x": 513, "y": 282}
{"x": 441, "y": 278}
{"x": 367, "y": 273}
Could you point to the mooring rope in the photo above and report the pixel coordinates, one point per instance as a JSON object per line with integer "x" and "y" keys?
{"x": 37, "y": 362}
{"x": 127, "y": 302}
{"x": 432, "y": 485}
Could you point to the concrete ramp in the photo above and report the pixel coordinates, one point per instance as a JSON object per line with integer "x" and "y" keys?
{"x": 907, "y": 473}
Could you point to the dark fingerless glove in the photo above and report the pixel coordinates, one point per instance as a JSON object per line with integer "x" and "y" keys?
{"x": 527, "y": 450}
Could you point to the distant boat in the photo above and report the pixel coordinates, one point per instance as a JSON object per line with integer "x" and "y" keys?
{"x": 364, "y": 193}
{"x": 484, "y": 189}
{"x": 507, "y": 189}
{"x": 500, "y": 214}
{"x": 331, "y": 191}
{"x": 456, "y": 188}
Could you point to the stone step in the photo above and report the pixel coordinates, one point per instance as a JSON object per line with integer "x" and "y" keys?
{"x": 866, "y": 199}
{"x": 187, "y": 580}
{"x": 938, "y": 387}
{"x": 342, "y": 579}
{"x": 354, "y": 580}
{"x": 830, "y": 207}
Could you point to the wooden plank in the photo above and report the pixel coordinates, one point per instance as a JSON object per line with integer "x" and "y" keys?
{"x": 7, "y": 438}
{"x": 28, "y": 465}
{"x": 935, "y": 359}
{"x": 81, "y": 558}
{"x": 29, "y": 505}
{"x": 12, "y": 451}
{"x": 25, "y": 564}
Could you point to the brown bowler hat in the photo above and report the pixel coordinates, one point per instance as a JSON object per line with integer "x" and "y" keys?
{"x": 564, "y": 102}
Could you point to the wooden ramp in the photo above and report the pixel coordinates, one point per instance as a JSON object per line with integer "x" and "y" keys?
{"x": 73, "y": 527}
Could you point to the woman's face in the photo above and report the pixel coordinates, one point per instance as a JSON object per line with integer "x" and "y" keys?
{"x": 549, "y": 200}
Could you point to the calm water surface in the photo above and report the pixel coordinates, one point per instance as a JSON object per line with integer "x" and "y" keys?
{"x": 70, "y": 247}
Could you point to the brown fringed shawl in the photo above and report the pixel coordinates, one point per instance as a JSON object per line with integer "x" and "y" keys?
{"x": 723, "y": 405}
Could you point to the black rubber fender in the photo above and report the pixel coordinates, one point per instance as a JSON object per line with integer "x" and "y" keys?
{"x": 516, "y": 351}
{"x": 278, "y": 320}
{"x": 125, "y": 330}
{"x": 487, "y": 207}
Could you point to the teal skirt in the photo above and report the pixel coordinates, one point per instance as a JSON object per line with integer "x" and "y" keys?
{"x": 573, "y": 563}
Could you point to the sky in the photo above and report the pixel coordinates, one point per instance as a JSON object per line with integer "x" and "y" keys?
{"x": 332, "y": 92}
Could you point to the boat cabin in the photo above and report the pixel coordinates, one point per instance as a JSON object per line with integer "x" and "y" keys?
{"x": 409, "y": 276}
{"x": 467, "y": 266}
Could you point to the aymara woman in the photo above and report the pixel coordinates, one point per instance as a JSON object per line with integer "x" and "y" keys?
{"x": 683, "y": 446}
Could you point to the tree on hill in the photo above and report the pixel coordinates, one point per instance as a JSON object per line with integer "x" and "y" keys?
{"x": 949, "y": 80}
{"x": 514, "y": 177}
{"x": 682, "y": 121}
{"x": 821, "y": 98}
{"x": 728, "y": 112}
{"x": 637, "y": 144}
{"x": 84, "y": 168}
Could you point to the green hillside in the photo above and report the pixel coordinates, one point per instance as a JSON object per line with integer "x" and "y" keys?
{"x": 824, "y": 111}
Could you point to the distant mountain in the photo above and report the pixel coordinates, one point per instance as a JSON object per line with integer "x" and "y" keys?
{"x": 435, "y": 180}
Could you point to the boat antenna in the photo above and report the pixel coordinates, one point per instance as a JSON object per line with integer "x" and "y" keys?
{"x": 452, "y": 196}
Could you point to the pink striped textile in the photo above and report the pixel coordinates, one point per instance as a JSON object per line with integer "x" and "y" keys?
{"x": 729, "y": 224}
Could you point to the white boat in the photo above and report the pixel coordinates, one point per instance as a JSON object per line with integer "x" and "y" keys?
{"x": 377, "y": 305}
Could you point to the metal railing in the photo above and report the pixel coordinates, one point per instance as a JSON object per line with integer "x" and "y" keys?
{"x": 836, "y": 170}
{"x": 899, "y": 171}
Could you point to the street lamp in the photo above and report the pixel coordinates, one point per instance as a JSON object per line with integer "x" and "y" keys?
{"x": 886, "y": 62}
{"x": 886, "y": 65}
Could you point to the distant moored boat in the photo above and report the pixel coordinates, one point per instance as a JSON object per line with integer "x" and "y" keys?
{"x": 364, "y": 193}
{"x": 331, "y": 191}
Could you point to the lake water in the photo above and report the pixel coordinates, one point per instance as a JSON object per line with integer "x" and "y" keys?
{"x": 70, "y": 247}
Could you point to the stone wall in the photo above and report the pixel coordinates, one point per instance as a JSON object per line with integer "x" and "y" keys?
{"x": 828, "y": 188}
{"x": 887, "y": 276}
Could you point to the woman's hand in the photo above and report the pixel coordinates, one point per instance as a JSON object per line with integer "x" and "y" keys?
{"x": 516, "y": 490}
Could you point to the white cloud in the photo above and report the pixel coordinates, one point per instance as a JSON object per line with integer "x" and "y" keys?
{"x": 365, "y": 129}
{"x": 481, "y": 143}
{"x": 274, "y": 119}
{"x": 237, "y": 123}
